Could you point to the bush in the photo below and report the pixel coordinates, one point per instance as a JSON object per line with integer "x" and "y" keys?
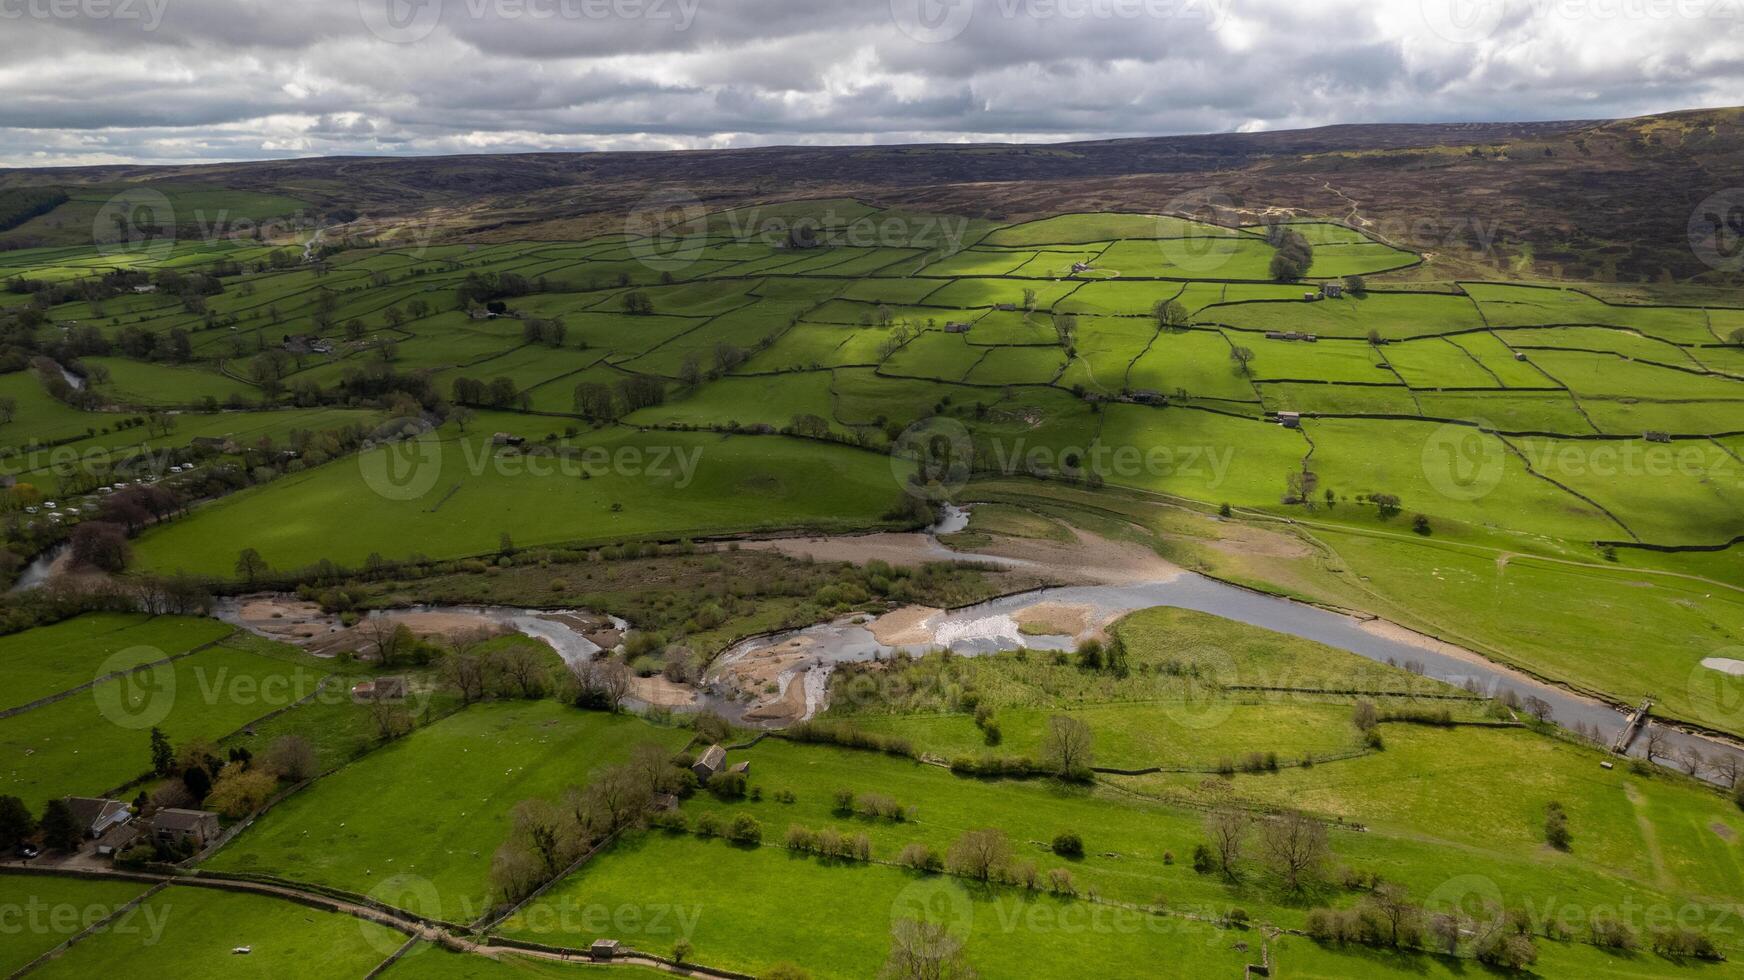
{"x": 1204, "y": 862}
{"x": 1508, "y": 952}
{"x": 1556, "y": 832}
{"x": 1068, "y": 845}
{"x": 919, "y": 857}
{"x": 1060, "y": 882}
{"x": 1610, "y": 932}
{"x": 1678, "y": 943}
{"x": 708, "y": 825}
{"x": 995, "y": 767}
{"x": 727, "y": 785}
{"x": 745, "y": 830}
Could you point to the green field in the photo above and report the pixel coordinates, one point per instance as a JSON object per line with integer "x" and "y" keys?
{"x": 436, "y": 804}
{"x": 191, "y": 932}
{"x": 98, "y": 740}
{"x": 63, "y": 907}
{"x": 64, "y": 656}
{"x": 665, "y": 484}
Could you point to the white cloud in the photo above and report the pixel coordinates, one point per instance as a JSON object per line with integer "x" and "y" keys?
{"x": 241, "y": 79}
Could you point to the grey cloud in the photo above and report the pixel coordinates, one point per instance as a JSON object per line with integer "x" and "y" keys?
{"x": 244, "y": 79}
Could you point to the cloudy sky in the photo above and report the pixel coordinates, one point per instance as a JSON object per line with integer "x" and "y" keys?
{"x": 166, "y": 81}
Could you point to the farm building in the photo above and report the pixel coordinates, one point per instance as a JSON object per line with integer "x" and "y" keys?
{"x": 175, "y": 826}
{"x": 1332, "y": 290}
{"x": 743, "y": 768}
{"x": 216, "y": 444}
{"x": 956, "y": 326}
{"x": 506, "y": 439}
{"x": 1290, "y": 420}
{"x": 709, "y": 763}
{"x": 1079, "y": 268}
{"x": 1147, "y": 396}
{"x": 95, "y": 816}
{"x": 1310, "y": 297}
{"x": 380, "y": 689}
{"x": 117, "y": 839}
{"x": 603, "y": 949}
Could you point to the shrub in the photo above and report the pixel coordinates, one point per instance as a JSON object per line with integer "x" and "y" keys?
{"x": 844, "y": 802}
{"x": 1610, "y": 932}
{"x": 1204, "y": 862}
{"x": 1508, "y": 952}
{"x": 745, "y": 830}
{"x": 708, "y": 825}
{"x": 727, "y": 785}
{"x": 1060, "y": 882}
{"x": 1068, "y": 845}
{"x": 1676, "y": 943}
{"x": 919, "y": 857}
{"x": 1556, "y": 832}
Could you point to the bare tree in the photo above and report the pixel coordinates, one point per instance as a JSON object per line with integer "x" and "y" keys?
{"x": 1729, "y": 766}
{"x": 614, "y": 683}
{"x": 1657, "y": 742}
{"x": 1068, "y": 747}
{"x": 465, "y": 672}
{"x": 1539, "y": 708}
{"x": 292, "y": 757}
{"x": 1691, "y": 759}
{"x": 1295, "y": 846}
{"x": 1393, "y": 902}
{"x": 979, "y": 854}
{"x": 1228, "y": 832}
{"x": 921, "y": 950}
{"x": 391, "y": 721}
{"x": 384, "y": 634}
{"x": 549, "y": 833}
{"x": 514, "y": 871}
{"x": 522, "y": 670}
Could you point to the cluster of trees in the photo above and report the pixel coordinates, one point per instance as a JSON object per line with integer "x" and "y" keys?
{"x": 828, "y": 843}
{"x": 602, "y": 402}
{"x": 871, "y": 805}
{"x": 20, "y": 204}
{"x": 499, "y": 392}
{"x": 479, "y": 288}
{"x": 551, "y": 333}
{"x": 550, "y": 835}
{"x": 1292, "y": 845}
{"x": 1294, "y": 256}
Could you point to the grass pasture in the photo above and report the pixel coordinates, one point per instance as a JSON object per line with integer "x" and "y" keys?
{"x": 464, "y": 495}
{"x": 189, "y": 932}
{"x": 436, "y": 803}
